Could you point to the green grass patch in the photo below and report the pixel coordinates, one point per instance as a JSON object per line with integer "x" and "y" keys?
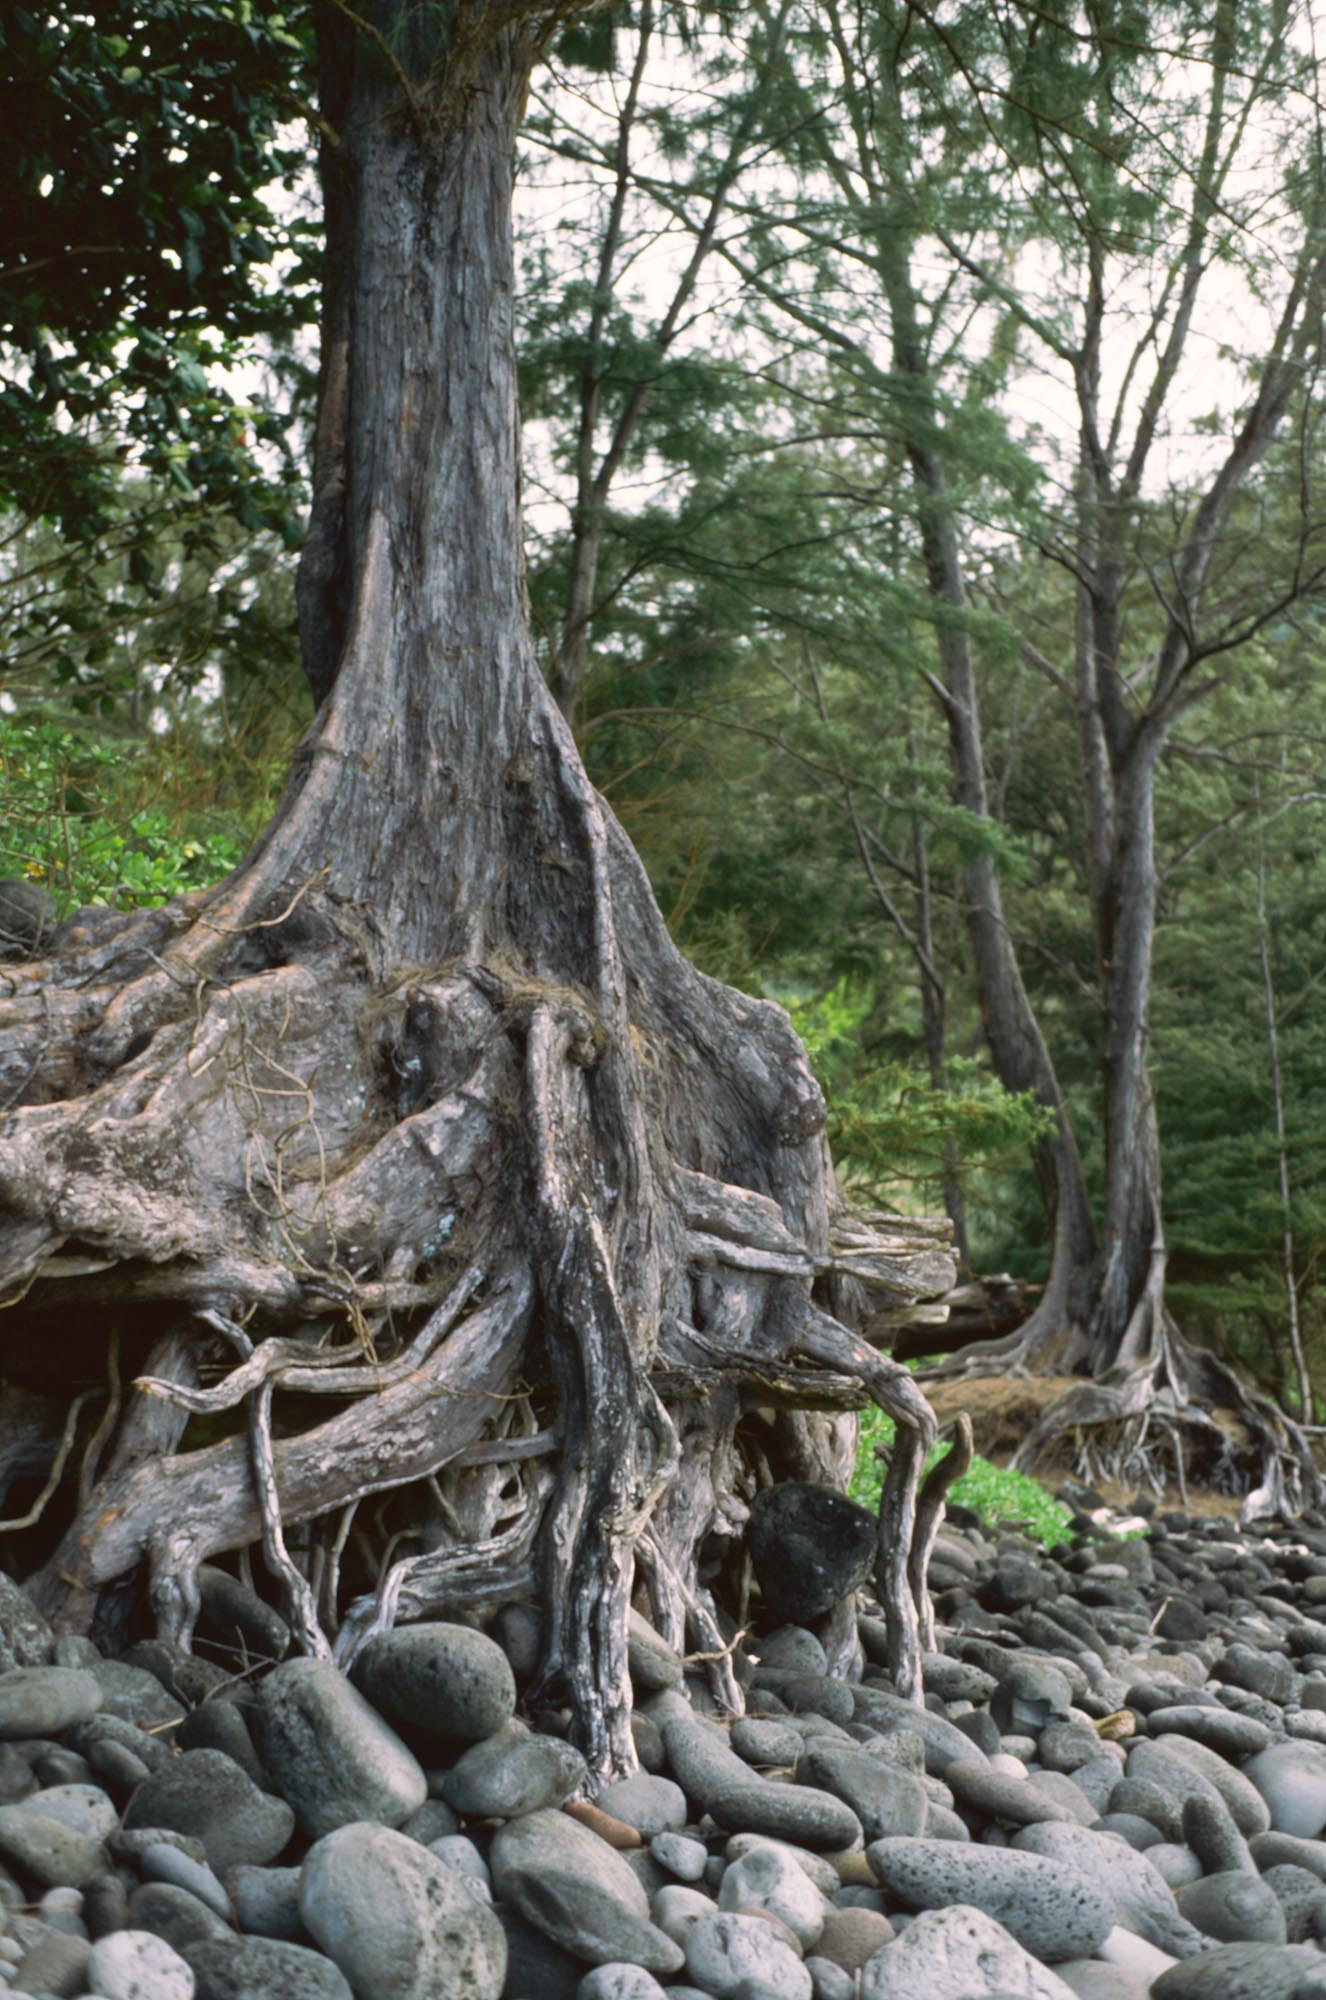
{"x": 1001, "y": 1498}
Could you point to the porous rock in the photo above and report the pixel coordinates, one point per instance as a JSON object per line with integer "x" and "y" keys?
{"x": 330, "y": 1754}
{"x": 578, "y": 1891}
{"x": 446, "y": 1679}
{"x": 1052, "y": 1908}
{"x": 396, "y": 1921}
{"x": 958, "y": 1953}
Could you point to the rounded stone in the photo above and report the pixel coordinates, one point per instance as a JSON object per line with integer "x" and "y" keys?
{"x": 330, "y": 1755}
{"x": 1067, "y": 1746}
{"x": 771, "y": 1881}
{"x": 1291, "y": 1777}
{"x": 458, "y": 1851}
{"x": 829, "y": 1981}
{"x": 821, "y": 1868}
{"x": 728, "y": 1955}
{"x": 619, "y": 1982}
{"x": 26, "y": 1640}
{"x": 53, "y": 1854}
{"x": 163, "y": 1863}
{"x": 221, "y": 1725}
{"x": 681, "y": 1854}
{"x": 135, "y": 1696}
{"x": 85, "y": 1808}
{"x": 173, "y": 1914}
{"x": 1052, "y": 1908}
{"x": 254, "y": 1968}
{"x": 266, "y": 1902}
{"x": 676, "y": 1908}
{"x": 654, "y": 1664}
{"x": 446, "y": 1679}
{"x": 1240, "y": 1972}
{"x": 396, "y": 1921}
{"x": 716, "y": 1781}
{"x": 136, "y": 1965}
{"x": 958, "y": 1953}
{"x": 1124, "y": 1875}
{"x": 766, "y": 1744}
{"x": 1186, "y": 1770}
{"x": 513, "y": 1772}
{"x": 43, "y": 1701}
{"x": 205, "y": 1793}
{"x": 650, "y": 1805}
{"x": 240, "y": 1617}
{"x": 792, "y": 1649}
{"x": 885, "y": 1800}
{"x": 1175, "y": 1863}
{"x": 851, "y": 1938}
{"x": 105, "y": 1905}
{"x": 579, "y": 1892}
{"x": 1234, "y": 1908}
{"x": 1234, "y": 1736}
{"x": 54, "y": 1962}
{"x": 1302, "y": 1897}
{"x": 998, "y": 1796}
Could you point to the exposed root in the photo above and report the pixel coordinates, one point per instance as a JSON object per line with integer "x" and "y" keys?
{"x": 929, "y": 1515}
{"x": 420, "y": 1192}
{"x": 1154, "y": 1409}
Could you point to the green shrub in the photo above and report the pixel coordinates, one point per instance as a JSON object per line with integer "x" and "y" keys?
{"x": 96, "y": 823}
{"x": 1000, "y": 1497}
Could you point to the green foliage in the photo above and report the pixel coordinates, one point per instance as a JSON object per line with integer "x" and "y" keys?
{"x": 888, "y": 1124}
{"x": 148, "y": 192}
{"x": 122, "y": 824}
{"x": 1002, "y": 1498}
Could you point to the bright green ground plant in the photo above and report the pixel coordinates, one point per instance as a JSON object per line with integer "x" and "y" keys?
{"x": 1001, "y": 1498}
{"x": 95, "y": 824}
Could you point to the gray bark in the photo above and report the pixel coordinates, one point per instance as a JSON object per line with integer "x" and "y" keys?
{"x": 421, "y": 1109}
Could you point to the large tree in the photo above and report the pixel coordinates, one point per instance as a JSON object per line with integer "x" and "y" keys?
{"x": 420, "y": 1109}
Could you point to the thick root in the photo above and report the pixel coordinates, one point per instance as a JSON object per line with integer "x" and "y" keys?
{"x": 378, "y": 1208}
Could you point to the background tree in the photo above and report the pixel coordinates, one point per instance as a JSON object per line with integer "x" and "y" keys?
{"x": 1072, "y": 169}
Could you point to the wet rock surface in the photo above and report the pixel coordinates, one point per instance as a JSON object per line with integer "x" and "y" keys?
{"x": 1116, "y": 1790}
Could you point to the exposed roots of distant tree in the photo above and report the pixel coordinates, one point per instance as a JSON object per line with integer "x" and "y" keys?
{"x": 1153, "y": 1416}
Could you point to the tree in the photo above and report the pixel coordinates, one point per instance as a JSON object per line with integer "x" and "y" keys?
{"x": 150, "y": 192}
{"x": 420, "y": 1108}
{"x": 1013, "y": 180}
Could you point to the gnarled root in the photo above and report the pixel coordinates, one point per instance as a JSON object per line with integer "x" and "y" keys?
{"x": 347, "y": 1211}
{"x": 1153, "y": 1414}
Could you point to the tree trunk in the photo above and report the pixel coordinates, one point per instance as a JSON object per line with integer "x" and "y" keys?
{"x": 421, "y": 1110}
{"x": 1017, "y": 1048}
{"x": 1128, "y": 1279}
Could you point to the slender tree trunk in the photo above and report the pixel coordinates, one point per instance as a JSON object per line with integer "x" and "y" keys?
{"x": 934, "y": 1026}
{"x": 1021, "y": 1059}
{"x": 1293, "y": 1322}
{"x": 1128, "y": 1281}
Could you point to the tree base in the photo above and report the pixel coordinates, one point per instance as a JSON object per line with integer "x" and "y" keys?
{"x": 439, "y": 1286}
{"x": 1154, "y": 1415}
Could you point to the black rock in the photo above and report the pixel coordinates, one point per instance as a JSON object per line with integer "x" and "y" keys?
{"x": 1182, "y": 1619}
{"x": 810, "y": 1547}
